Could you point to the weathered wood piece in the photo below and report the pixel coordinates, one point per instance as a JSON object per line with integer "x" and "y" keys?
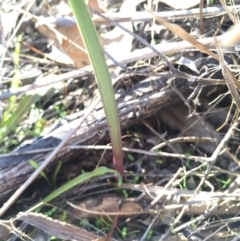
{"x": 134, "y": 104}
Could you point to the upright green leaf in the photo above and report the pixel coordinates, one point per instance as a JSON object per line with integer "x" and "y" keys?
{"x": 98, "y": 61}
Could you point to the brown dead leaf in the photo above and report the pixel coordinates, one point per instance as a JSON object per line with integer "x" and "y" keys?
{"x": 76, "y": 53}
{"x": 64, "y": 32}
{"x": 67, "y": 38}
{"x": 181, "y": 33}
{"x": 94, "y": 4}
{"x": 107, "y": 205}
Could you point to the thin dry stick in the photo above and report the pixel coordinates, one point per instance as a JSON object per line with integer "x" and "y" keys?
{"x": 201, "y": 16}
{"x": 204, "y": 115}
{"x": 183, "y": 139}
{"x": 215, "y": 232}
{"x": 227, "y": 117}
{"x": 216, "y": 153}
{"x": 99, "y": 147}
{"x": 149, "y": 153}
{"x": 43, "y": 165}
{"x": 188, "y": 173}
{"x": 173, "y": 149}
{"x": 144, "y": 237}
{"x": 231, "y": 16}
{"x": 158, "y": 197}
{"x": 223, "y": 142}
{"x": 176, "y": 220}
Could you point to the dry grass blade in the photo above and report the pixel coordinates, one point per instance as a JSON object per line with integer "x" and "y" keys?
{"x": 231, "y": 16}
{"x": 54, "y": 227}
{"x": 231, "y": 81}
{"x": 102, "y": 213}
{"x": 181, "y": 33}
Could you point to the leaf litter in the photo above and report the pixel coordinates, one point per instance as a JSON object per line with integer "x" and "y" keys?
{"x": 158, "y": 196}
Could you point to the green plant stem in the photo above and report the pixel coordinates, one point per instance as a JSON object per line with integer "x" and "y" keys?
{"x": 96, "y": 56}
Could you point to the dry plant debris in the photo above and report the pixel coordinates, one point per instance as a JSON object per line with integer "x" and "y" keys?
{"x": 175, "y": 70}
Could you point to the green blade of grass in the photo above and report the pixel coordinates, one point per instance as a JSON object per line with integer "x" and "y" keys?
{"x": 103, "y": 78}
{"x": 15, "y": 81}
{"x": 35, "y": 165}
{"x": 17, "y": 116}
{"x": 56, "y": 172}
{"x": 80, "y": 179}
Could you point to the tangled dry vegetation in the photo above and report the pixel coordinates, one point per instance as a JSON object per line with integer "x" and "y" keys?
{"x": 176, "y": 85}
